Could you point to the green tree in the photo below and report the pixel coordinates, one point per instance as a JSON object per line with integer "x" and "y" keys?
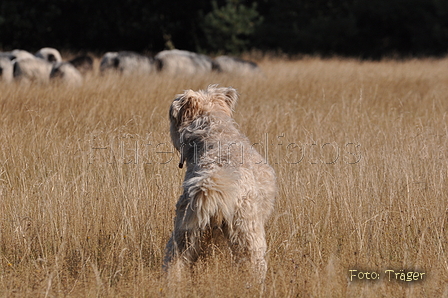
{"x": 229, "y": 28}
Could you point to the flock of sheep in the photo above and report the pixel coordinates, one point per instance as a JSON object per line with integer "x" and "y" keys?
{"x": 47, "y": 65}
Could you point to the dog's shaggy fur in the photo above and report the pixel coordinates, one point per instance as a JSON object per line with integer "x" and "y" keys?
{"x": 228, "y": 187}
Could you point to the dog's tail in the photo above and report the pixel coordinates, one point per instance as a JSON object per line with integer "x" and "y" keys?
{"x": 213, "y": 197}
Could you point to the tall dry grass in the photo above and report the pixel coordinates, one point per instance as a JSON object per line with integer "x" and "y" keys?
{"x": 89, "y": 181}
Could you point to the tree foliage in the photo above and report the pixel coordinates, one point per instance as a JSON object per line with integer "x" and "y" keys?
{"x": 229, "y": 27}
{"x": 361, "y": 28}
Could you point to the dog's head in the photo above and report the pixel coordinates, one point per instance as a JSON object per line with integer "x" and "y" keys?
{"x": 191, "y": 105}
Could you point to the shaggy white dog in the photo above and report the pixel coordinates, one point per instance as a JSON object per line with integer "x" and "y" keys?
{"x": 228, "y": 191}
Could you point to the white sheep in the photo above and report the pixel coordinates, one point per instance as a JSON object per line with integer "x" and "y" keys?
{"x": 183, "y": 62}
{"x": 6, "y": 69}
{"x": 7, "y": 55}
{"x": 126, "y": 63}
{"x": 32, "y": 70}
{"x": 49, "y": 54}
{"x": 108, "y": 62}
{"x": 21, "y": 54}
{"x": 66, "y": 73}
{"x": 228, "y": 64}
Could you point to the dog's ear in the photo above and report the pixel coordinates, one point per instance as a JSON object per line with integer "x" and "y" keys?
{"x": 231, "y": 97}
{"x": 190, "y": 106}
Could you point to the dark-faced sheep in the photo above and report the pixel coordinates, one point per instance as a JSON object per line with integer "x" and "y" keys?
{"x": 49, "y": 54}
{"x": 66, "y": 73}
{"x": 83, "y": 63}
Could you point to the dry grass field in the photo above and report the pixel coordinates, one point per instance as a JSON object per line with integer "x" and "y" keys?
{"x": 89, "y": 182}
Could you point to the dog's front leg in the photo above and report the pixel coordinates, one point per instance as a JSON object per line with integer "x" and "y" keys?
{"x": 184, "y": 244}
